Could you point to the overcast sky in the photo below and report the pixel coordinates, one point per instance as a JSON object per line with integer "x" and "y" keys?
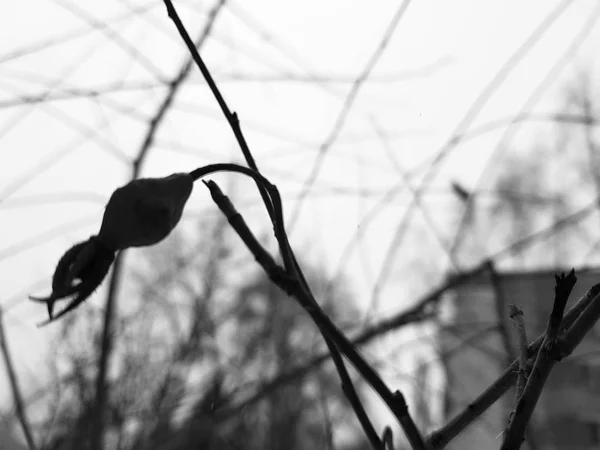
{"x": 287, "y": 69}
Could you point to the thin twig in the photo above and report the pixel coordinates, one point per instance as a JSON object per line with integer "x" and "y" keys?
{"x": 14, "y": 386}
{"x": 106, "y": 28}
{"x": 500, "y": 303}
{"x": 517, "y": 316}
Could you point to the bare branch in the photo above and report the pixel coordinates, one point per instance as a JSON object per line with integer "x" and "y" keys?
{"x": 441, "y": 437}
{"x": 545, "y": 361}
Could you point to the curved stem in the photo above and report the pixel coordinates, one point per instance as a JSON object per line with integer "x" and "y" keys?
{"x": 273, "y": 197}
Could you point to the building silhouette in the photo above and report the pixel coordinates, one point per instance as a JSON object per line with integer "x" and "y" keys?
{"x": 477, "y": 341}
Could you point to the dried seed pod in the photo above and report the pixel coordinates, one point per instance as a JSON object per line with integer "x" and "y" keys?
{"x": 141, "y": 213}
{"x": 144, "y": 211}
{"x": 78, "y": 273}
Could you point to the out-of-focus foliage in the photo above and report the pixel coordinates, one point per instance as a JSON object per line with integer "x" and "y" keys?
{"x": 199, "y": 332}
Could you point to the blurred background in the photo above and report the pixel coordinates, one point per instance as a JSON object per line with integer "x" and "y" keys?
{"x": 415, "y": 143}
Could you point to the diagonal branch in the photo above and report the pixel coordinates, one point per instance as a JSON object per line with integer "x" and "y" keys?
{"x": 348, "y": 103}
{"x": 533, "y": 99}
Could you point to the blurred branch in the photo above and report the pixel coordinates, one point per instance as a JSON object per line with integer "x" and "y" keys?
{"x": 174, "y": 86}
{"x": 419, "y": 204}
{"x": 495, "y": 83}
{"x": 453, "y": 141}
{"x": 106, "y": 345}
{"x": 45, "y": 44}
{"x": 584, "y": 32}
{"x": 346, "y": 108}
{"x": 67, "y": 93}
{"x": 558, "y": 225}
{"x": 391, "y": 193}
{"x": 14, "y": 386}
{"x": 97, "y": 434}
{"x": 526, "y": 117}
{"x": 112, "y": 35}
{"x": 500, "y": 303}
{"x": 328, "y": 422}
{"x": 592, "y": 146}
{"x": 322, "y": 78}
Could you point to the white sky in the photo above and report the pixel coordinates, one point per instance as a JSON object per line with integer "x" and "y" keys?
{"x": 447, "y": 51}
